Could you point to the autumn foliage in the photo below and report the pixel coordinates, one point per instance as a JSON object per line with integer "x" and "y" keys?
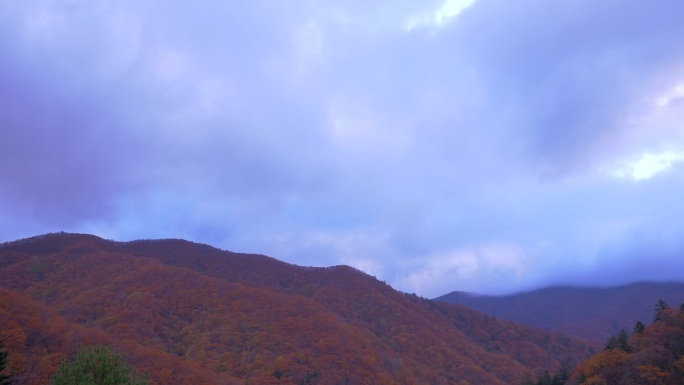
{"x": 191, "y": 314}
{"x": 653, "y": 355}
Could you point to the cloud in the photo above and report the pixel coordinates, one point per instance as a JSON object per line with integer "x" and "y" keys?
{"x": 649, "y": 165}
{"x": 502, "y": 266}
{"x": 568, "y": 76}
{"x": 476, "y": 150}
{"x": 440, "y": 16}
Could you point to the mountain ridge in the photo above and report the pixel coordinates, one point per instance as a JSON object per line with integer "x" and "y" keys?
{"x": 587, "y": 312}
{"x": 240, "y": 318}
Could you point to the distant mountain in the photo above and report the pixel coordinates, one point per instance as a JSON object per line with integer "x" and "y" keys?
{"x": 192, "y": 314}
{"x": 590, "y": 313}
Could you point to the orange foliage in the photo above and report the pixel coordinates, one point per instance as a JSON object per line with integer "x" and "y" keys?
{"x": 656, "y": 357}
{"x": 190, "y": 313}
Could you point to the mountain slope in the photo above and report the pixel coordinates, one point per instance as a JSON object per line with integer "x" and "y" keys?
{"x": 593, "y": 314}
{"x": 652, "y": 355}
{"x": 39, "y": 340}
{"x": 238, "y": 318}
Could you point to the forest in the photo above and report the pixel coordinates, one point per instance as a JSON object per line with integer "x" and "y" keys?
{"x": 649, "y": 354}
{"x": 652, "y": 354}
{"x": 186, "y": 313}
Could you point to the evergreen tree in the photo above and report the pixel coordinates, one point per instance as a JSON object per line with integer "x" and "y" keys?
{"x": 639, "y": 328}
{"x": 612, "y": 343}
{"x": 97, "y": 366}
{"x": 564, "y": 374}
{"x": 623, "y": 341}
{"x": 4, "y": 379}
{"x": 659, "y": 308}
{"x": 559, "y": 378}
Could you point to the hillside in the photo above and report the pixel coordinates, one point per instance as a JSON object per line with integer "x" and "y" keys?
{"x": 190, "y": 313}
{"x": 593, "y": 314}
{"x": 653, "y": 354}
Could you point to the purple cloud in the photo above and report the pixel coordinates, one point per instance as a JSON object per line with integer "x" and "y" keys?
{"x": 488, "y": 147}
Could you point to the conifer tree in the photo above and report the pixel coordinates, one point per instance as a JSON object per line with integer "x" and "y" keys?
{"x": 612, "y": 343}
{"x": 659, "y": 308}
{"x": 4, "y": 379}
{"x": 97, "y": 366}
{"x": 639, "y": 328}
{"x": 623, "y": 341}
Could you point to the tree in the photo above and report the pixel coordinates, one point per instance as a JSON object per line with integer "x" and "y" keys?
{"x": 4, "y": 379}
{"x": 639, "y": 328}
{"x": 612, "y": 343}
{"x": 97, "y": 366}
{"x": 623, "y": 341}
{"x": 559, "y": 378}
{"x": 563, "y": 374}
{"x": 653, "y": 355}
{"x": 659, "y": 308}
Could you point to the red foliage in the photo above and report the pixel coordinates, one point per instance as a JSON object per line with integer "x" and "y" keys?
{"x": 189, "y": 313}
{"x": 656, "y": 356}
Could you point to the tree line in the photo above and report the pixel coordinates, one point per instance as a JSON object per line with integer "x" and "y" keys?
{"x": 652, "y": 354}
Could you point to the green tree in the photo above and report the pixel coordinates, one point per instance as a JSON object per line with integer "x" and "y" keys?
{"x": 4, "y": 379}
{"x": 98, "y": 366}
{"x": 623, "y": 341}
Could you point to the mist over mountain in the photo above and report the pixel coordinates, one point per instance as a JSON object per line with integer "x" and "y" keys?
{"x": 590, "y": 313}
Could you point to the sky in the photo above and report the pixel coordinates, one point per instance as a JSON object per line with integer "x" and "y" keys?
{"x": 489, "y": 146}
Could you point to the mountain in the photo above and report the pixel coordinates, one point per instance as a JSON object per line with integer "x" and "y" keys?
{"x": 191, "y": 314}
{"x": 593, "y": 314}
